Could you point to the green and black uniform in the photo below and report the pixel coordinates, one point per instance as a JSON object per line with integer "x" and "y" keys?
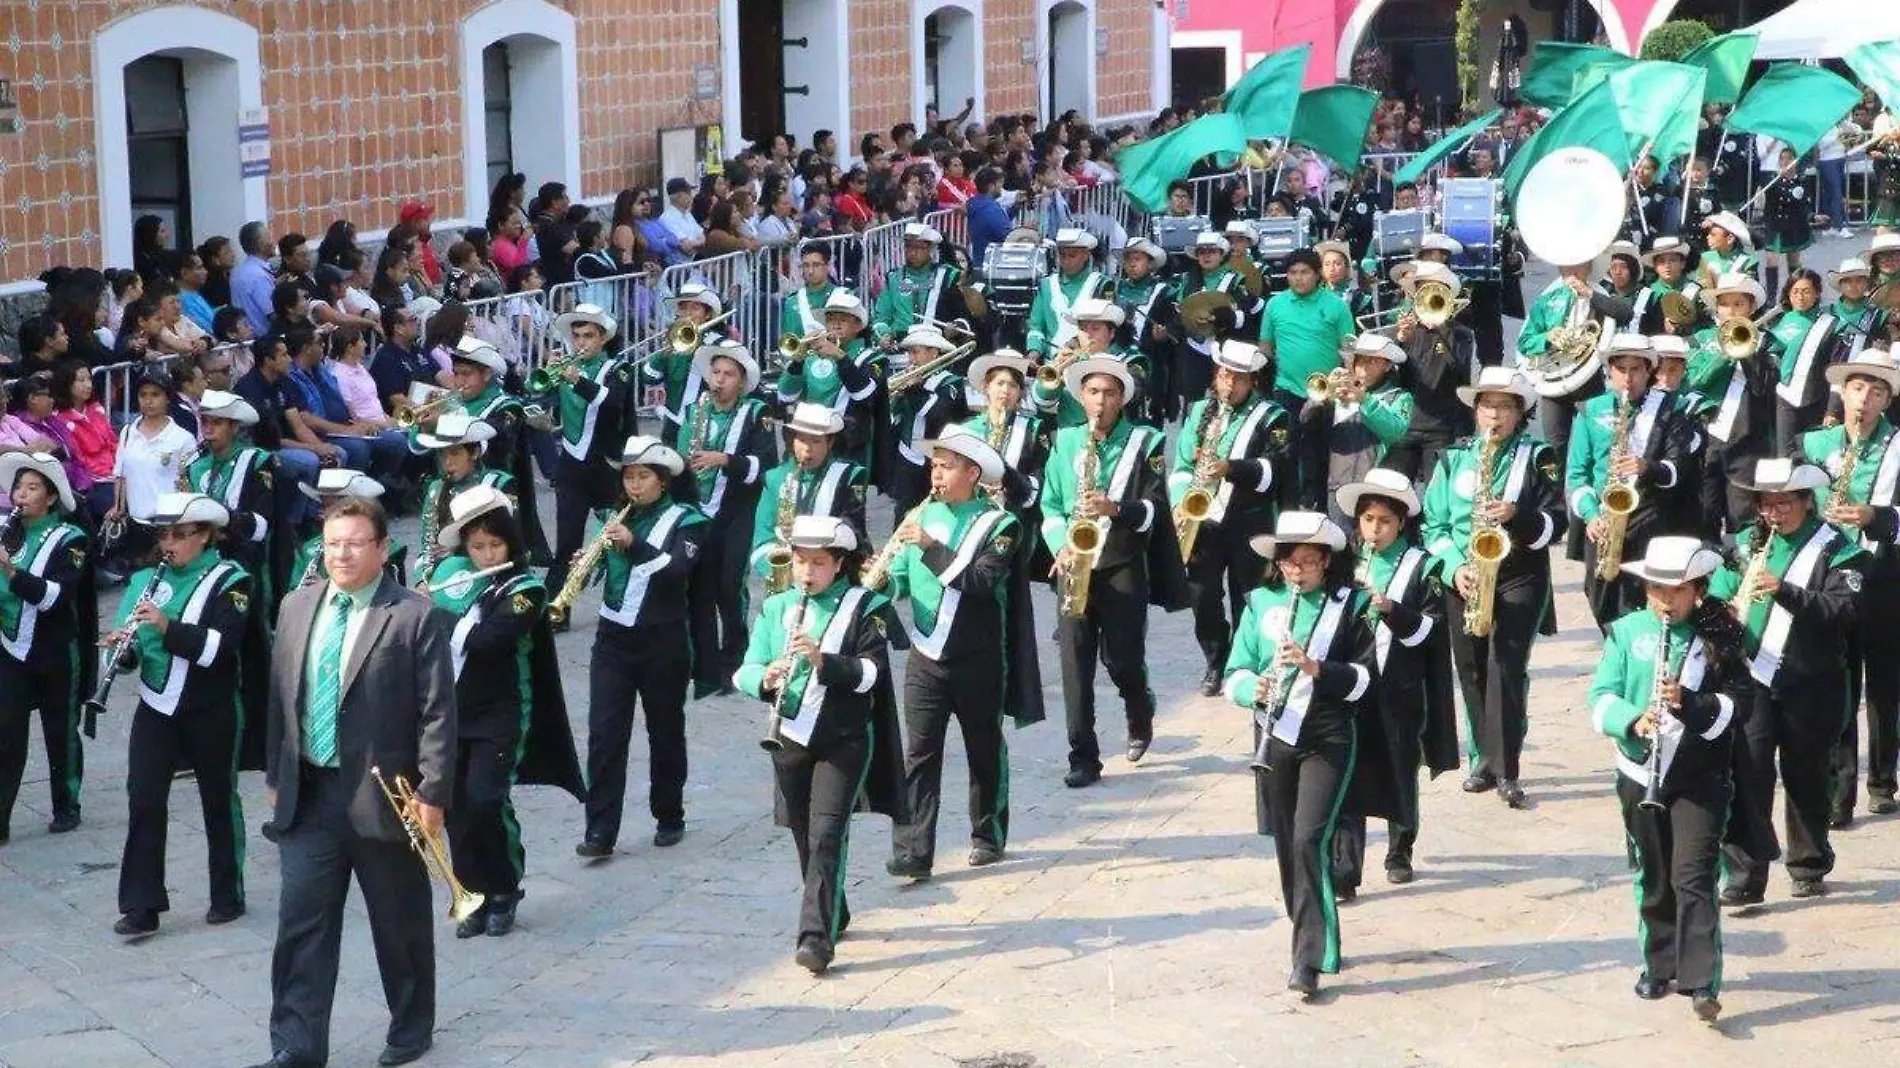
{"x": 836, "y": 489}
{"x": 589, "y": 409}
{"x": 914, "y": 293}
{"x": 727, "y": 496}
{"x": 1657, "y": 433}
{"x": 42, "y": 664}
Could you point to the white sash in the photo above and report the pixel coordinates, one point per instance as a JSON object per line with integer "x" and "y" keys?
{"x": 974, "y": 539}
{"x": 1723, "y": 424}
{"x": 1236, "y": 451}
{"x": 1402, "y": 576}
{"x": 1774, "y": 637}
{"x": 635, "y": 595}
{"x": 799, "y": 727}
{"x": 1795, "y": 389}
{"x": 165, "y": 702}
{"x": 1059, "y": 305}
{"x": 730, "y": 447}
{"x": 1299, "y": 696}
{"x": 21, "y": 643}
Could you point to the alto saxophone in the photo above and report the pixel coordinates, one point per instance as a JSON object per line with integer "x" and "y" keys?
{"x": 1752, "y": 573}
{"x": 1198, "y": 502}
{"x": 1619, "y": 498}
{"x": 1843, "y": 490}
{"x": 581, "y": 571}
{"x": 877, "y": 574}
{"x": 778, "y": 556}
{"x": 1086, "y": 534}
{"x": 1489, "y": 545}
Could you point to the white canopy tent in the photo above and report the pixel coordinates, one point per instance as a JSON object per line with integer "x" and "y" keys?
{"x": 1825, "y": 29}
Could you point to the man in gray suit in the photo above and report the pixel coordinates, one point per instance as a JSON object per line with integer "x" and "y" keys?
{"x": 361, "y": 677}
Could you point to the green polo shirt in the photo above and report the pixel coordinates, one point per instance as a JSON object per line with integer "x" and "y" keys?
{"x": 1305, "y": 332}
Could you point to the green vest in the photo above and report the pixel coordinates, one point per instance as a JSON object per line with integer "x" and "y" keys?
{"x": 42, "y": 538}
{"x": 183, "y": 596}
{"x": 1626, "y": 675}
{"x": 964, "y": 529}
{"x": 626, "y": 583}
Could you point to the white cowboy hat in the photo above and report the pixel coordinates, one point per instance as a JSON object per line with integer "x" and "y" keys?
{"x": 1867, "y": 363}
{"x": 1499, "y": 379}
{"x": 1851, "y": 267}
{"x": 1097, "y": 310}
{"x": 1210, "y": 239}
{"x": 1631, "y": 345}
{"x": 1735, "y": 283}
{"x": 921, "y": 232}
{"x": 1674, "y": 560}
{"x": 1074, "y": 237}
{"x": 1441, "y": 243}
{"x": 584, "y": 313}
{"x": 822, "y": 532}
{"x": 816, "y": 419}
{"x": 1008, "y": 359}
{"x": 1080, "y": 370}
{"x": 1627, "y": 250}
{"x": 1241, "y": 228}
{"x": 1669, "y": 346}
{"x": 46, "y": 465}
{"x": 1420, "y": 271}
{"x": 1733, "y": 225}
{"x": 700, "y": 294}
{"x": 845, "y": 302}
{"x": 1378, "y": 482}
{"x": 456, "y": 428}
{"x": 187, "y": 508}
{"x": 475, "y": 350}
{"x": 1783, "y": 475}
{"x": 467, "y": 506}
{"x": 926, "y": 337}
{"x": 649, "y": 452}
{"x": 1401, "y": 273}
{"x": 340, "y": 482}
{"x": 728, "y": 350}
{"x": 1883, "y": 243}
{"x": 1242, "y": 356}
{"x": 1380, "y": 346}
{"x": 1154, "y": 252}
{"x": 1300, "y": 528}
{"x": 1334, "y": 246}
{"x": 1665, "y": 245}
{"x": 971, "y": 446}
{"x": 217, "y": 404}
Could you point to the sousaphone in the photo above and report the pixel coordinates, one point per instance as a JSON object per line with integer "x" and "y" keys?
{"x": 1569, "y": 208}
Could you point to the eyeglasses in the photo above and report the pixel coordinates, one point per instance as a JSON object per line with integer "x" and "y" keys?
{"x": 176, "y": 533}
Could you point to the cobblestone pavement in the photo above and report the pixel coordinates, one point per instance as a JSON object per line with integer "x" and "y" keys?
{"x": 1134, "y": 923}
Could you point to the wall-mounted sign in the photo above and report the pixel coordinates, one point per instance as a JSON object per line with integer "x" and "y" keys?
{"x": 705, "y": 82}
{"x": 1029, "y": 51}
{"x": 9, "y": 108}
{"x": 1101, "y": 42}
{"x": 254, "y": 142}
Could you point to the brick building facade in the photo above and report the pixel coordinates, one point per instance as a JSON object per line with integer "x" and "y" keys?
{"x": 366, "y": 103}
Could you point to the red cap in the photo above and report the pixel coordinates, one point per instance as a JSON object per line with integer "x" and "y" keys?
{"x": 413, "y": 210}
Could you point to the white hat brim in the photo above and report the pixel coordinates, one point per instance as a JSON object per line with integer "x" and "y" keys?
{"x": 565, "y": 322}
{"x": 971, "y": 448}
{"x": 1350, "y": 494}
{"x": 1098, "y": 365}
{"x": 1839, "y": 373}
{"x": 46, "y": 466}
{"x": 450, "y": 536}
{"x": 702, "y": 363}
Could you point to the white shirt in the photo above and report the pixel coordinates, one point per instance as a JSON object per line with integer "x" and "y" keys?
{"x": 149, "y": 465}
{"x": 774, "y": 232}
{"x": 682, "y": 224}
{"x": 357, "y": 302}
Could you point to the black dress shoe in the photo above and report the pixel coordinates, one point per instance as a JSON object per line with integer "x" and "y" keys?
{"x": 1739, "y": 897}
{"x": 1512, "y": 793}
{"x": 501, "y": 915}
{"x": 288, "y": 1060}
{"x": 593, "y": 849}
{"x": 1882, "y": 804}
{"x": 984, "y": 855}
{"x": 1808, "y": 888}
{"x": 1840, "y": 818}
{"x": 1303, "y": 981}
{"x": 813, "y": 956}
{"x": 1398, "y": 874}
{"x": 394, "y": 1055}
{"x": 1707, "y": 1008}
{"x": 1479, "y": 782}
{"x": 905, "y": 866}
{"x": 137, "y": 924}
{"x": 474, "y": 925}
{"x": 669, "y": 836}
{"x": 1651, "y": 989}
{"x": 219, "y": 914}
{"x": 64, "y": 822}
{"x": 1080, "y": 777}
{"x": 1138, "y": 748}
{"x": 1345, "y": 894}
{"x": 1210, "y": 682}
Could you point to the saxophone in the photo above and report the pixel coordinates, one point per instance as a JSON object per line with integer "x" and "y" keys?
{"x": 999, "y": 428}
{"x": 183, "y": 485}
{"x": 877, "y": 574}
{"x": 1843, "y": 490}
{"x": 1619, "y": 497}
{"x": 582, "y": 570}
{"x": 1086, "y": 534}
{"x": 778, "y": 555}
{"x": 702, "y": 415}
{"x": 1752, "y": 573}
{"x": 1198, "y": 502}
{"x": 1489, "y": 545}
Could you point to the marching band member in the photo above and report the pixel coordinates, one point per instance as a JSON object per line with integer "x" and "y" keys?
{"x": 839, "y": 371}
{"x": 972, "y": 648}
{"x": 480, "y": 370}
{"x": 1623, "y": 277}
{"x": 727, "y": 451}
{"x": 804, "y": 311}
{"x": 1108, "y": 471}
{"x": 1097, "y": 321}
{"x": 47, "y": 604}
{"x": 919, "y": 412}
{"x": 1741, "y": 427}
{"x": 1651, "y": 209}
{"x": 242, "y": 478}
{"x": 1885, "y": 156}
{"x": 1229, "y": 447}
{"x": 186, "y": 620}
{"x": 811, "y": 481}
{"x": 1730, "y": 249}
{"x": 819, "y": 656}
{"x": 1302, "y": 662}
{"x": 1857, "y": 320}
{"x": 643, "y": 647}
{"x": 1050, "y": 327}
{"x": 1438, "y": 361}
{"x": 1335, "y": 270}
{"x": 1884, "y": 254}
{"x": 1410, "y": 710}
{"x": 1787, "y": 216}
{"x": 1699, "y": 202}
{"x": 1022, "y": 436}
{"x": 459, "y": 443}
{"x": 695, "y": 304}
{"x": 1147, "y": 302}
{"x": 918, "y": 288}
{"x": 1668, "y": 257}
{"x": 1796, "y": 593}
{"x": 1862, "y": 456}
{"x": 1568, "y": 303}
{"x": 588, "y": 412}
{"x": 1347, "y": 428}
{"x": 510, "y": 715}
{"x": 1800, "y": 331}
{"x": 334, "y": 483}
{"x": 1209, "y": 272}
{"x": 1632, "y": 438}
{"x": 1523, "y": 498}
{"x": 1243, "y": 258}
{"x": 1658, "y": 692}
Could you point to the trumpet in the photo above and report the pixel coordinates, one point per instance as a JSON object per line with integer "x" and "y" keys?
{"x": 795, "y": 347}
{"x": 1323, "y": 387}
{"x": 918, "y": 375}
{"x": 434, "y": 852}
{"x": 582, "y": 571}
{"x": 547, "y": 377}
{"x": 1049, "y": 375}
{"x": 410, "y": 416}
{"x": 1434, "y": 305}
{"x": 683, "y": 338}
{"x": 1736, "y": 337}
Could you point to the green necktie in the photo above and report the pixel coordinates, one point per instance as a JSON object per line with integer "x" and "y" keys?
{"x": 321, "y": 714}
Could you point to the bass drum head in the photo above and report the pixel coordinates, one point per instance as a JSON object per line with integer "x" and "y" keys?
{"x": 1570, "y": 206}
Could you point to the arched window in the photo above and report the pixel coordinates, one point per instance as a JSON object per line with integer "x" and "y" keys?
{"x": 948, "y": 41}
{"x": 520, "y": 99}
{"x": 1067, "y": 36}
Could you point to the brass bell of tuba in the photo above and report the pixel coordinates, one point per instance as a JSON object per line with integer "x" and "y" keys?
{"x": 1434, "y": 305}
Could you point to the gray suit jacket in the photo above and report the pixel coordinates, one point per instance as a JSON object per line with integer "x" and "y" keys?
{"x": 398, "y": 705}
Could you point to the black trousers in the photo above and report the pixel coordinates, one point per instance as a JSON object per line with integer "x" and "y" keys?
{"x": 1225, "y": 569}
{"x": 1494, "y": 673}
{"x": 1792, "y": 422}
{"x": 1672, "y": 853}
{"x": 484, "y": 836}
{"x": 23, "y": 689}
{"x": 1612, "y": 599}
{"x": 1417, "y": 461}
{"x": 573, "y": 500}
{"x": 719, "y": 603}
{"x": 1115, "y": 629}
{"x": 1724, "y": 503}
{"x": 1800, "y": 729}
{"x": 1191, "y": 378}
{"x": 1349, "y": 838}
{"x": 319, "y": 854}
{"x": 650, "y": 666}
{"x": 1876, "y": 668}
{"x": 204, "y": 740}
{"x": 1298, "y": 802}
{"x": 1557, "y": 413}
{"x": 971, "y": 692}
{"x": 819, "y": 790}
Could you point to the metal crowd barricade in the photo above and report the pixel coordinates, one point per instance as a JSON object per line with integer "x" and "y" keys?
{"x": 882, "y": 249}
{"x": 952, "y": 223}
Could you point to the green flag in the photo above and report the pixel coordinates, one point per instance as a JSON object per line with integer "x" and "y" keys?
{"x": 1795, "y": 104}
{"x": 1265, "y": 97}
{"x": 1593, "y": 120}
{"x": 1659, "y": 105}
{"x": 1550, "y": 78}
{"x": 1148, "y": 167}
{"x": 1877, "y": 65}
{"x": 1726, "y": 58}
{"x": 1444, "y": 146}
{"x": 1332, "y": 121}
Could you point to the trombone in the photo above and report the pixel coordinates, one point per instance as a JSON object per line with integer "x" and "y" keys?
{"x": 434, "y": 852}
{"x": 918, "y": 375}
{"x": 410, "y": 416}
{"x": 683, "y": 338}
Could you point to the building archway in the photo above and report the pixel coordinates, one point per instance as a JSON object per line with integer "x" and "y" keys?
{"x": 194, "y": 74}
{"x": 1066, "y": 38}
{"x": 786, "y": 69}
{"x": 520, "y": 99}
{"x": 948, "y": 39}
{"x": 1360, "y": 21}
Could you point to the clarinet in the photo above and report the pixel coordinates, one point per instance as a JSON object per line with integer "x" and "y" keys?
{"x": 1270, "y": 699}
{"x": 1652, "y": 765}
{"x": 122, "y": 655}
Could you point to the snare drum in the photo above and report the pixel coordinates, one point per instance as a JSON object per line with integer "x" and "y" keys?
{"x": 1279, "y": 237}
{"x": 1176, "y": 233}
{"x": 1396, "y": 234}
{"x": 1014, "y": 272}
{"x": 1469, "y": 216}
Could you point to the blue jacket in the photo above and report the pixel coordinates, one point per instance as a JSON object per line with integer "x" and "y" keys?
{"x": 989, "y": 223}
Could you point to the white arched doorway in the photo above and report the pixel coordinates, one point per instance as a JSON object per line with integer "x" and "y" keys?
{"x": 785, "y": 69}
{"x": 201, "y": 74}
{"x": 947, "y": 38}
{"x": 520, "y": 99}
{"x": 1361, "y": 20}
{"x": 1066, "y": 36}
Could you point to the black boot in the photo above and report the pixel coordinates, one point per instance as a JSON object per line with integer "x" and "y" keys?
{"x": 501, "y": 914}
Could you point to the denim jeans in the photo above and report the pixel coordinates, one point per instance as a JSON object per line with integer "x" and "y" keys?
{"x": 1833, "y": 187}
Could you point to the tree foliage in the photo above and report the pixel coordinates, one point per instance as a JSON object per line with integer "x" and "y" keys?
{"x": 1674, "y": 39}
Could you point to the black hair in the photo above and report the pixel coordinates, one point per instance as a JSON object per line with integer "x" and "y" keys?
{"x": 1397, "y": 507}
{"x": 1304, "y": 256}
{"x": 1181, "y": 185}
{"x": 1339, "y": 567}
{"x": 501, "y": 523}
{"x": 36, "y": 333}
{"x": 820, "y": 249}
{"x": 263, "y": 348}
{"x": 1801, "y": 275}
{"x": 250, "y": 238}
{"x": 289, "y": 243}
{"x": 298, "y": 338}
{"x": 284, "y": 297}
{"x": 224, "y": 322}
